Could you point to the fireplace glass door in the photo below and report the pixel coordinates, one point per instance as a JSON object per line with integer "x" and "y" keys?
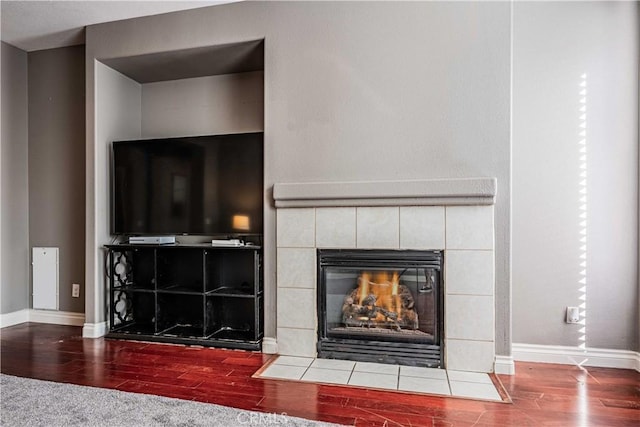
{"x": 382, "y": 306}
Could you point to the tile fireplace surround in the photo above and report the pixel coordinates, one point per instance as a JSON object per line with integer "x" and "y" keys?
{"x": 453, "y": 215}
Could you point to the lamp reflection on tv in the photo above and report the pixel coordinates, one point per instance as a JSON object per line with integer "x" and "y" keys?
{"x": 241, "y": 223}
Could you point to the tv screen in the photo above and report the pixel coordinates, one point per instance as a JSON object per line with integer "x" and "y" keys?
{"x": 203, "y": 185}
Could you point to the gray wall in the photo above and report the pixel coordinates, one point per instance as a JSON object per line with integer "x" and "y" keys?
{"x": 554, "y": 45}
{"x": 353, "y": 91}
{"x": 14, "y": 233}
{"x": 228, "y": 103}
{"x": 56, "y": 163}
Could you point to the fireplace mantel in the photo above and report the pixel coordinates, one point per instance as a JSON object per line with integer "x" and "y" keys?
{"x": 431, "y": 192}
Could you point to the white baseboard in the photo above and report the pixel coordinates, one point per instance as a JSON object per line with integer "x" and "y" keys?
{"x": 56, "y": 317}
{"x": 504, "y": 365}
{"x": 600, "y": 357}
{"x": 94, "y": 330}
{"x": 14, "y": 318}
{"x": 269, "y": 345}
{"x": 41, "y": 316}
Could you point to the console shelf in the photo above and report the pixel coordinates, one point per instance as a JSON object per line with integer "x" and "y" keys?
{"x": 187, "y": 294}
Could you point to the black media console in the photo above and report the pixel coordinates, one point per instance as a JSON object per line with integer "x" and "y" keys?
{"x": 188, "y": 294}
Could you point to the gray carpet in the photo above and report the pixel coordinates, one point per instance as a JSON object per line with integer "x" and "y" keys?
{"x": 29, "y": 402}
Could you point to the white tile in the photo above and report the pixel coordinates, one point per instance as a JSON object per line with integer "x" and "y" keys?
{"x": 474, "y": 390}
{"x": 368, "y": 379}
{"x": 336, "y": 227}
{"x": 296, "y": 228}
{"x": 467, "y": 355}
{"x": 284, "y": 372}
{"x": 331, "y": 376}
{"x": 378, "y": 227}
{"x": 335, "y": 364}
{"x": 470, "y": 377}
{"x": 296, "y": 308}
{"x": 376, "y": 368}
{"x": 304, "y": 362}
{"x": 424, "y": 385}
{"x": 469, "y": 317}
{"x": 469, "y": 227}
{"x": 297, "y": 342}
{"x": 422, "y": 227}
{"x": 296, "y": 268}
{"x": 415, "y": 371}
{"x": 469, "y": 272}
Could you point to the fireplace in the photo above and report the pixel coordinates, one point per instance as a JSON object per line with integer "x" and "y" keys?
{"x": 380, "y": 306}
{"x": 451, "y": 219}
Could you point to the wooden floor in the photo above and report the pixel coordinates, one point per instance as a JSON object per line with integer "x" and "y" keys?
{"x": 542, "y": 394}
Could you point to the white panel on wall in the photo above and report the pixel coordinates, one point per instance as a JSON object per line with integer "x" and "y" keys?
{"x": 45, "y": 278}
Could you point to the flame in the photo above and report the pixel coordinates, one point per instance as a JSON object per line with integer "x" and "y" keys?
{"x": 384, "y": 287}
{"x": 363, "y": 287}
{"x": 394, "y": 292}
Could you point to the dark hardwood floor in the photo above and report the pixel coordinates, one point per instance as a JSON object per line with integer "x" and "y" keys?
{"x": 542, "y": 394}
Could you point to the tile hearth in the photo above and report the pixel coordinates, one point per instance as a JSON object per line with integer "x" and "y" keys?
{"x": 411, "y": 379}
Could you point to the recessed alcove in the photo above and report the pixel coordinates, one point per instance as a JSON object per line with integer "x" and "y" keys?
{"x": 206, "y": 90}
{"x": 197, "y": 91}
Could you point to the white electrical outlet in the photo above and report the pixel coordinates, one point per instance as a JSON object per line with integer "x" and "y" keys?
{"x": 75, "y": 290}
{"x": 573, "y": 315}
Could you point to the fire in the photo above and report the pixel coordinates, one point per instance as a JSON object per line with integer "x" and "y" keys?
{"x": 384, "y": 288}
{"x": 380, "y": 301}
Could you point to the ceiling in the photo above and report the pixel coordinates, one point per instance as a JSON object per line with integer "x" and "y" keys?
{"x": 37, "y": 25}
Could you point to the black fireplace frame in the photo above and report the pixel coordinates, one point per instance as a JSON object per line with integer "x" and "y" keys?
{"x": 411, "y": 354}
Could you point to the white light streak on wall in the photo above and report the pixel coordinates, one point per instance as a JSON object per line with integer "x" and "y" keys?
{"x": 583, "y": 220}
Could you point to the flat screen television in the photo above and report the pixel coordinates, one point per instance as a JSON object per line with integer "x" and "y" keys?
{"x": 201, "y": 185}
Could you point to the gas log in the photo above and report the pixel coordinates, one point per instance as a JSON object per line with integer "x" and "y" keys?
{"x": 380, "y": 305}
